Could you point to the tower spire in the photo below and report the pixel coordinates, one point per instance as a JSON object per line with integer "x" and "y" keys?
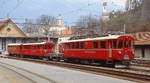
{"x": 59, "y": 20}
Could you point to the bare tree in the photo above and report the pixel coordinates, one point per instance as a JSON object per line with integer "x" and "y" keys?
{"x": 138, "y": 15}
{"x": 44, "y": 22}
{"x": 90, "y": 23}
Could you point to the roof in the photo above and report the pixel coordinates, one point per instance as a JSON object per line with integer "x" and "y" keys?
{"x": 141, "y": 38}
{"x": 98, "y": 38}
{"x": 7, "y": 21}
{"x": 15, "y": 44}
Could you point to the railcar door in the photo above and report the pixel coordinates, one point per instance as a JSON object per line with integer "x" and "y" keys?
{"x": 110, "y": 49}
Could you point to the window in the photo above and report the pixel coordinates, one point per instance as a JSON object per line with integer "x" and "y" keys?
{"x": 38, "y": 46}
{"x": 48, "y": 47}
{"x": 103, "y": 44}
{"x": 95, "y": 44}
{"x": 68, "y": 45}
{"x": 114, "y": 43}
{"x": 77, "y": 44}
{"x": 82, "y": 45}
{"x": 8, "y": 29}
{"x": 125, "y": 43}
{"x": 120, "y": 44}
{"x": 73, "y": 45}
{"x": 27, "y": 47}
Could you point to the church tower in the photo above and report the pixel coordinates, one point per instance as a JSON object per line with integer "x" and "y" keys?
{"x": 105, "y": 13}
{"x": 59, "y": 20}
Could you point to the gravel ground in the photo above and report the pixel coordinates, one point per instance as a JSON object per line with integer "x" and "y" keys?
{"x": 62, "y": 75}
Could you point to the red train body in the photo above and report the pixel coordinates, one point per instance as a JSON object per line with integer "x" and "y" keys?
{"x": 109, "y": 49}
{"x": 31, "y": 49}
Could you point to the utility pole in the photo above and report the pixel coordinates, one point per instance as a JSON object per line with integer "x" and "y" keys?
{"x": 48, "y": 35}
{"x": 124, "y": 28}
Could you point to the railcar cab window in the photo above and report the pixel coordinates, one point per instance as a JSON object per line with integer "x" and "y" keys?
{"x": 126, "y": 43}
{"x": 95, "y": 44}
{"x": 114, "y": 43}
{"x": 103, "y": 44}
{"x": 120, "y": 43}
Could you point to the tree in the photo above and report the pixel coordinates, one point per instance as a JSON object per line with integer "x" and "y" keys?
{"x": 116, "y": 22}
{"x": 44, "y": 22}
{"x": 89, "y": 22}
{"x": 138, "y": 15}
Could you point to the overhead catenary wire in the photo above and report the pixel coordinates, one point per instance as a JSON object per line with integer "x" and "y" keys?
{"x": 19, "y": 3}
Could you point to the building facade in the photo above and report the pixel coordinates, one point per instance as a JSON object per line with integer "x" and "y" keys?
{"x": 142, "y": 45}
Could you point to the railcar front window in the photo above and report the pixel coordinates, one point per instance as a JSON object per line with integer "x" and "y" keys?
{"x": 126, "y": 44}
{"x": 114, "y": 43}
{"x": 120, "y": 44}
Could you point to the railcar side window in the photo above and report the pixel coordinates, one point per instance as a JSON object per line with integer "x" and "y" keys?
{"x": 77, "y": 45}
{"x": 82, "y": 45}
{"x": 95, "y": 44}
{"x": 103, "y": 44}
{"x": 68, "y": 45}
{"x": 120, "y": 44}
{"x": 48, "y": 47}
{"x": 73, "y": 45}
{"x": 38, "y": 46}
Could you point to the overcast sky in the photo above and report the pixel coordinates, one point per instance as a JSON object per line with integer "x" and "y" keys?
{"x": 70, "y": 9}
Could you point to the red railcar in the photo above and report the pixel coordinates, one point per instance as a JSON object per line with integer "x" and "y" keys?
{"x": 31, "y": 49}
{"x": 109, "y": 49}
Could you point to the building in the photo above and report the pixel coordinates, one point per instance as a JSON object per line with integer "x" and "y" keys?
{"x": 11, "y": 33}
{"x": 105, "y": 13}
{"x": 142, "y": 45}
{"x": 9, "y": 29}
{"x": 55, "y": 30}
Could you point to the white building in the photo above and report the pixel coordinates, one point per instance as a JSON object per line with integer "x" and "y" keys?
{"x": 55, "y": 29}
{"x": 105, "y": 12}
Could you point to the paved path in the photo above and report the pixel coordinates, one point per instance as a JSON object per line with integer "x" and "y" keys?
{"x": 62, "y": 75}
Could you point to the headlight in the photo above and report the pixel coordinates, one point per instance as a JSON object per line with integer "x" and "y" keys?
{"x": 119, "y": 52}
{"x": 133, "y": 52}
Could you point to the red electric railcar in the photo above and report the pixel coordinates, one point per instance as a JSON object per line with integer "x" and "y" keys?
{"x": 111, "y": 49}
{"x": 31, "y": 49}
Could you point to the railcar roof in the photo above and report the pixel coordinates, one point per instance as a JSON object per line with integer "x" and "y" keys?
{"x": 34, "y": 43}
{"x": 15, "y": 44}
{"x": 92, "y": 39}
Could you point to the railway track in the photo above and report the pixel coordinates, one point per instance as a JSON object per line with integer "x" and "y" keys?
{"x": 127, "y": 74}
{"x": 33, "y": 77}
